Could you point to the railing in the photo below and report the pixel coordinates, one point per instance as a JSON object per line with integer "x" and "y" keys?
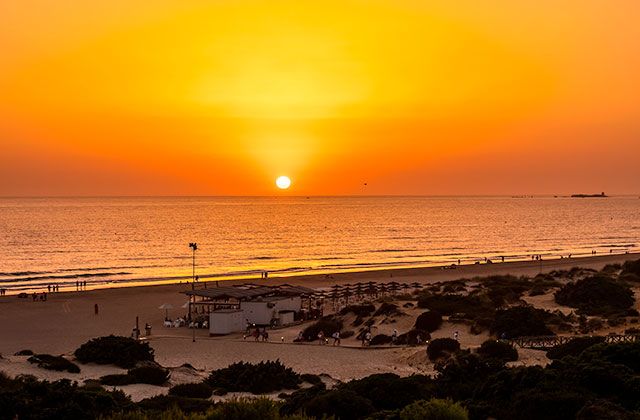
{"x": 546, "y": 342}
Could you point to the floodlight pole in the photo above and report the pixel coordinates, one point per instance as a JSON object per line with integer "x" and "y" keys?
{"x": 194, "y": 247}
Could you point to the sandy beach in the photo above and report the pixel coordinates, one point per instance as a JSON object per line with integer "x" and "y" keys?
{"x": 66, "y": 320}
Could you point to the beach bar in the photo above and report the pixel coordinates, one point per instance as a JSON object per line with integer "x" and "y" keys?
{"x": 229, "y": 308}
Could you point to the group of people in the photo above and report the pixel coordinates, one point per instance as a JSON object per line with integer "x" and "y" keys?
{"x": 39, "y": 296}
{"x": 53, "y": 288}
{"x": 3, "y": 292}
{"x": 81, "y": 285}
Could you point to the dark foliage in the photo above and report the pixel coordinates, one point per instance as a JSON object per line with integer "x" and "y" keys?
{"x": 573, "y": 347}
{"x": 521, "y": 321}
{"x": 388, "y": 391}
{"x": 25, "y": 353}
{"x": 152, "y": 375}
{"x": 258, "y": 379}
{"x": 57, "y": 363}
{"x": 413, "y": 338}
{"x": 29, "y": 399}
{"x": 505, "y": 289}
{"x": 428, "y": 321}
{"x": 296, "y": 401}
{"x": 442, "y": 347}
{"x": 631, "y": 267}
{"x": 380, "y": 339}
{"x": 342, "y": 404}
{"x": 163, "y": 403}
{"x": 328, "y": 325}
{"x": 311, "y": 378}
{"x": 500, "y": 350}
{"x": 192, "y": 390}
{"x": 120, "y": 351}
{"x": 388, "y": 309}
{"x": 597, "y": 295}
{"x": 358, "y": 310}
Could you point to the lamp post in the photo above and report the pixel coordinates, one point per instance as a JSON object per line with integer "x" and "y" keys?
{"x": 194, "y": 247}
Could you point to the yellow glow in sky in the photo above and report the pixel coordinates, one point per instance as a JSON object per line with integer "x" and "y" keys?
{"x": 411, "y": 97}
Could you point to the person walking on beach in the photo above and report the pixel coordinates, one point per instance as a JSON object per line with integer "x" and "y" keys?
{"x": 321, "y": 337}
{"x": 95, "y": 309}
{"x": 336, "y": 338}
{"x": 394, "y": 337}
{"x": 367, "y": 338}
{"x": 456, "y": 335}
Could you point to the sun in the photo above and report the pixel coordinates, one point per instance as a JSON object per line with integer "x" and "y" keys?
{"x": 283, "y": 182}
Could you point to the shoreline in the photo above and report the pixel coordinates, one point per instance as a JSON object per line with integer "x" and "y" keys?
{"x": 523, "y": 267}
{"x": 67, "y": 319}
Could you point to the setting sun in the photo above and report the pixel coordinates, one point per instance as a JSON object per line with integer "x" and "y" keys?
{"x": 283, "y": 182}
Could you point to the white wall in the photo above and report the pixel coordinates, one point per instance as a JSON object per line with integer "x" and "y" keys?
{"x": 260, "y": 312}
{"x": 225, "y": 322}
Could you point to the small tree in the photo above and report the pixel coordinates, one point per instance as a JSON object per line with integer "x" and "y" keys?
{"x": 434, "y": 409}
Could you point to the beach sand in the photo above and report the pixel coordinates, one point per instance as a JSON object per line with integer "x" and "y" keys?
{"x": 66, "y": 320}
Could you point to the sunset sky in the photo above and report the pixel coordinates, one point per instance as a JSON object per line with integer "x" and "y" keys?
{"x": 197, "y": 97}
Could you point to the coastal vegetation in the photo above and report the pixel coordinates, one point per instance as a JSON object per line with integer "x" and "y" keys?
{"x": 260, "y": 378}
{"x": 57, "y": 363}
{"x": 124, "y": 352}
{"x": 145, "y": 374}
{"x": 596, "y": 295}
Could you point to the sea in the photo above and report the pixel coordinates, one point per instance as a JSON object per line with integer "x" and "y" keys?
{"x": 123, "y": 241}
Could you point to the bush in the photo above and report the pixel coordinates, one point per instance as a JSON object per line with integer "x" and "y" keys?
{"x": 124, "y": 352}
{"x": 328, "y": 325}
{"x": 597, "y": 295}
{"x": 428, "y": 321}
{"x": 505, "y": 289}
{"x": 411, "y": 338}
{"x": 311, "y": 378}
{"x": 342, "y": 404}
{"x": 152, "y": 375}
{"x": 57, "y": 363}
{"x": 24, "y": 353}
{"x": 631, "y": 267}
{"x": 441, "y": 347}
{"x": 380, "y": 339}
{"x": 258, "y": 379}
{"x": 387, "y": 309}
{"x": 358, "y": 310}
{"x": 162, "y": 403}
{"x": 573, "y": 347}
{"x": 27, "y": 398}
{"x": 434, "y": 409}
{"x": 520, "y": 321}
{"x": 388, "y": 391}
{"x": 493, "y": 349}
{"x": 245, "y": 409}
{"x": 192, "y": 390}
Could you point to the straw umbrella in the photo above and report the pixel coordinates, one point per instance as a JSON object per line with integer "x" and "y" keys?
{"x": 166, "y": 307}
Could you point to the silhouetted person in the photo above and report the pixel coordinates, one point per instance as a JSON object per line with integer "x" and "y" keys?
{"x": 95, "y": 309}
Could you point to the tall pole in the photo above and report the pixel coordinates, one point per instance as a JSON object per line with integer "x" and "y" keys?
{"x": 194, "y": 247}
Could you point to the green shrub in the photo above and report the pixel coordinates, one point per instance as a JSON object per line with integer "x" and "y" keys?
{"x": 505, "y": 289}
{"x": 428, "y": 321}
{"x": 573, "y": 347}
{"x": 192, "y": 390}
{"x": 328, "y": 325}
{"x": 441, "y": 347}
{"x": 258, "y": 379}
{"x": 499, "y": 350}
{"x": 57, "y": 363}
{"x": 120, "y": 351}
{"x": 434, "y": 409}
{"x": 597, "y": 295}
{"x": 520, "y": 321}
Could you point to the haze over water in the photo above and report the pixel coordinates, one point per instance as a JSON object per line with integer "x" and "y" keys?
{"x": 114, "y": 241}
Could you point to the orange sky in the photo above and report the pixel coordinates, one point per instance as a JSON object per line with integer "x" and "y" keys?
{"x": 412, "y": 97}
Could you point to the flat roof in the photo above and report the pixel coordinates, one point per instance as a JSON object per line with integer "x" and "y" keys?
{"x": 250, "y": 291}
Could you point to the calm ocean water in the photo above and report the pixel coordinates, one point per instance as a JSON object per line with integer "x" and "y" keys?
{"x": 111, "y": 241}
